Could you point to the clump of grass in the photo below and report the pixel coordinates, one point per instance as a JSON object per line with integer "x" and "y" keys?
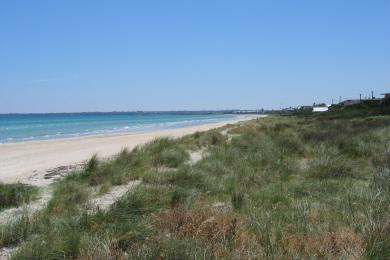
{"x": 378, "y": 241}
{"x": 237, "y": 199}
{"x": 116, "y": 172}
{"x": 214, "y": 166}
{"x": 344, "y": 244}
{"x": 94, "y": 247}
{"x": 124, "y": 157}
{"x": 196, "y": 135}
{"x": 382, "y": 158}
{"x": 216, "y": 138}
{"x": 15, "y": 232}
{"x": 157, "y": 146}
{"x": 12, "y": 195}
{"x": 204, "y": 224}
{"x": 171, "y": 157}
{"x": 178, "y": 197}
{"x": 104, "y": 188}
{"x": 142, "y": 200}
{"x": 92, "y": 164}
{"x": 186, "y": 177}
{"x": 48, "y": 245}
{"x": 162, "y": 247}
{"x": 67, "y": 196}
{"x": 289, "y": 142}
{"x": 164, "y": 152}
{"x": 382, "y": 179}
{"x": 328, "y": 163}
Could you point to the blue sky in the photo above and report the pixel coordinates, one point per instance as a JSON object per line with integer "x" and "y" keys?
{"x": 68, "y": 56}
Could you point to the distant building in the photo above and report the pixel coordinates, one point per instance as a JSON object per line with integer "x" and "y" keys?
{"x": 315, "y": 108}
{"x": 386, "y": 99}
{"x": 257, "y": 111}
{"x": 320, "y": 109}
{"x": 306, "y": 107}
{"x": 350, "y": 102}
{"x": 387, "y": 96}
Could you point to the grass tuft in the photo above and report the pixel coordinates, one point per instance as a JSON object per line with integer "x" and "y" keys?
{"x": 237, "y": 200}
{"x": 12, "y": 195}
{"x": 328, "y": 163}
{"x": 92, "y": 164}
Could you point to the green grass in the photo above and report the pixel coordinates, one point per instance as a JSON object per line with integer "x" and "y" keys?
{"x": 12, "y": 195}
{"x": 277, "y": 187}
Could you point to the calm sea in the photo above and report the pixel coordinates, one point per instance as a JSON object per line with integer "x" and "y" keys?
{"x": 24, "y": 127}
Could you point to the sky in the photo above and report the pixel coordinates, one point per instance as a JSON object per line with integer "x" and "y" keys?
{"x": 73, "y": 56}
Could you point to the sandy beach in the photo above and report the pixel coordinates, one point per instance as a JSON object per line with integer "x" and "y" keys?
{"x": 27, "y": 162}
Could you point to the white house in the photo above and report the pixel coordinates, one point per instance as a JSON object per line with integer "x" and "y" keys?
{"x": 323, "y": 108}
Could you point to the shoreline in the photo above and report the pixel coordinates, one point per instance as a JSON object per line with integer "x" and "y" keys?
{"x": 29, "y": 161}
{"x": 124, "y": 132}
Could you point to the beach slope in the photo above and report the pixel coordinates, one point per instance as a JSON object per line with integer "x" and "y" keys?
{"x": 27, "y": 162}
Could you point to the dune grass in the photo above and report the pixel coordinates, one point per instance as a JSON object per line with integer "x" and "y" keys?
{"x": 278, "y": 187}
{"x": 12, "y": 195}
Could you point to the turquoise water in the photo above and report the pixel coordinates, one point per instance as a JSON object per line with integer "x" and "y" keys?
{"x": 24, "y": 127}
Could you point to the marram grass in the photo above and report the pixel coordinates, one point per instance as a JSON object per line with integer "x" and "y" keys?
{"x": 276, "y": 187}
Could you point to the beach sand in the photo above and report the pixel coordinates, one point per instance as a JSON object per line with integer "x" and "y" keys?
{"x": 32, "y": 162}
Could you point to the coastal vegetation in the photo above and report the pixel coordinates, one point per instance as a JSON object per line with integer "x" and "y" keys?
{"x": 12, "y": 195}
{"x": 277, "y": 187}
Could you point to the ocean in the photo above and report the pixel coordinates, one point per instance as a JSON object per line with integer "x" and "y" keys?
{"x": 26, "y": 127}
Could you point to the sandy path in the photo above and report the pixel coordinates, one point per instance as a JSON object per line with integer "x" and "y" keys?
{"x": 104, "y": 202}
{"x": 196, "y": 156}
{"x": 6, "y": 252}
{"x": 28, "y": 162}
{"x": 13, "y": 214}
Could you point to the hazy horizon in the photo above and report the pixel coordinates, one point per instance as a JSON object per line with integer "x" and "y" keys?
{"x": 130, "y": 111}
{"x": 72, "y": 56}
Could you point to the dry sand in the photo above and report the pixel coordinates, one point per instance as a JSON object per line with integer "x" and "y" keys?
{"x": 31, "y": 162}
